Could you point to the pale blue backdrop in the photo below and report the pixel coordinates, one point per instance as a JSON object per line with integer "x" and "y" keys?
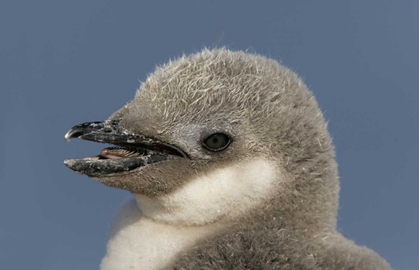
{"x": 67, "y": 62}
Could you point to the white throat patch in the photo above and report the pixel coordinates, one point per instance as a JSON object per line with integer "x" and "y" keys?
{"x": 227, "y": 192}
{"x": 151, "y": 234}
{"x": 137, "y": 242}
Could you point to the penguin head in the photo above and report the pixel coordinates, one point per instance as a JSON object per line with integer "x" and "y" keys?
{"x": 216, "y": 135}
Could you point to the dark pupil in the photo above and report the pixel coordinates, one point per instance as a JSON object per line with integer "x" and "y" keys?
{"x": 216, "y": 141}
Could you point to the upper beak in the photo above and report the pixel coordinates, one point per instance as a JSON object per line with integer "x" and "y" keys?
{"x": 105, "y": 132}
{"x": 150, "y": 150}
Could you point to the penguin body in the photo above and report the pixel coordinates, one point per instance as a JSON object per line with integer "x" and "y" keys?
{"x": 231, "y": 166}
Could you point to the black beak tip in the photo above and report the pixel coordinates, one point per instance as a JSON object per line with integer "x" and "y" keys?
{"x": 85, "y": 128}
{"x": 72, "y": 133}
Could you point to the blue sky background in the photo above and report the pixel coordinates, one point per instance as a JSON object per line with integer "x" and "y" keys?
{"x": 67, "y": 62}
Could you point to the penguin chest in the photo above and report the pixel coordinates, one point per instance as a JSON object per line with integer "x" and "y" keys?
{"x": 140, "y": 243}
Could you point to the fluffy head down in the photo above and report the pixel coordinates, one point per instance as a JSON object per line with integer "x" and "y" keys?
{"x": 263, "y": 106}
{"x": 268, "y": 201}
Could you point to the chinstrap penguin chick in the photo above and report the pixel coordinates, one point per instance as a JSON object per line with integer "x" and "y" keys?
{"x": 231, "y": 166}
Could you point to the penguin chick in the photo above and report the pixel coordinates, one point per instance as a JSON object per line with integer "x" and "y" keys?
{"x": 231, "y": 166}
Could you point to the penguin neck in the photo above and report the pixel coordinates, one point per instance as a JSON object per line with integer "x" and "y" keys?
{"x": 223, "y": 195}
{"x": 241, "y": 194}
{"x": 311, "y": 204}
{"x": 139, "y": 242}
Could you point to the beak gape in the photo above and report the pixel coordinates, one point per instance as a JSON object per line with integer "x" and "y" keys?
{"x": 133, "y": 150}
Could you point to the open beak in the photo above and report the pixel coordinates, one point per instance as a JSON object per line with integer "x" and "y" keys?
{"x": 132, "y": 151}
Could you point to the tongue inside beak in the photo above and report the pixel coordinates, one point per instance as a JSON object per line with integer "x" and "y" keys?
{"x": 117, "y": 153}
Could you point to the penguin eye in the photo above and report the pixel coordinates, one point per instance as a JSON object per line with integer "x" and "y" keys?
{"x": 216, "y": 142}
